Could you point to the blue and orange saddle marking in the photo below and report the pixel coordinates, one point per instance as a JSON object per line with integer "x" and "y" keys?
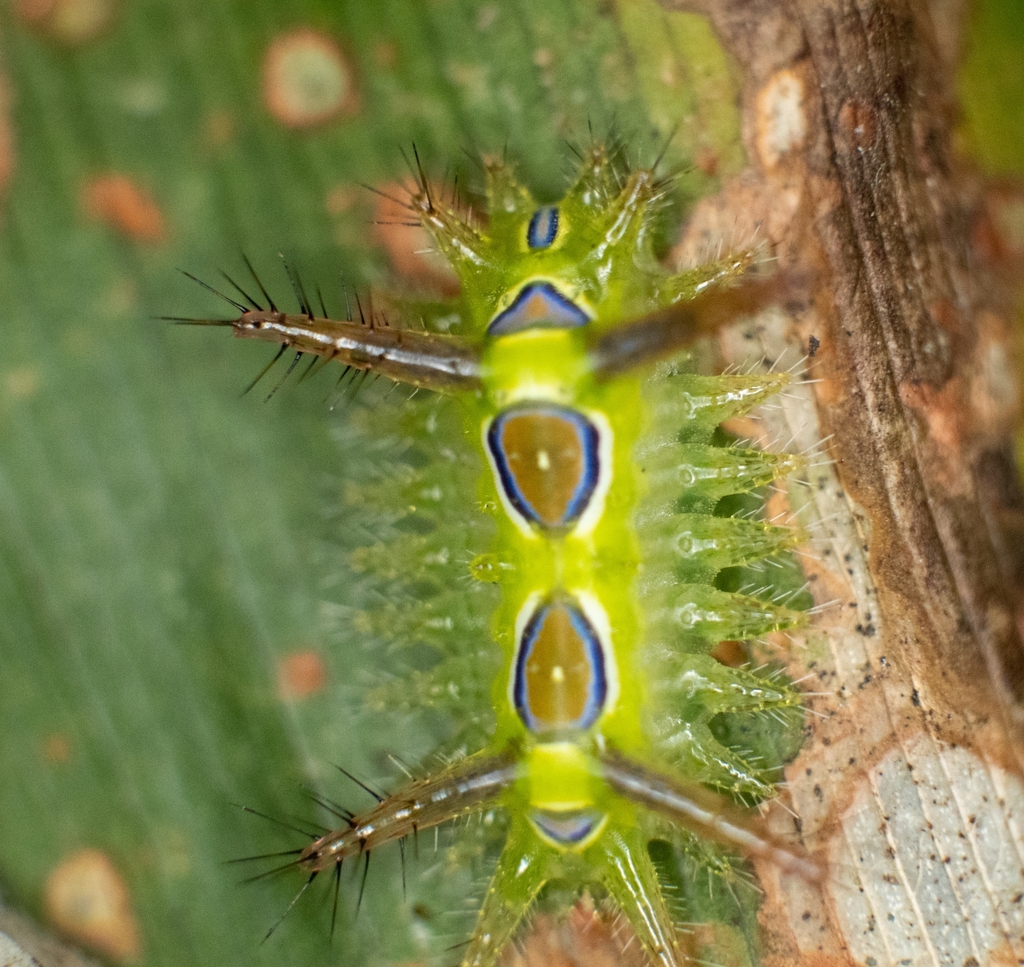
{"x": 559, "y": 678}
{"x": 538, "y": 305}
{"x": 547, "y": 459}
{"x": 568, "y": 829}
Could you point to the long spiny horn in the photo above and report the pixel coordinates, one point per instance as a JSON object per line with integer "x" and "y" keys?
{"x": 434, "y": 361}
{"x": 701, "y": 812}
{"x": 466, "y": 787}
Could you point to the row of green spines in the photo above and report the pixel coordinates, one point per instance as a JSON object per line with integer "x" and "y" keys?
{"x": 730, "y": 728}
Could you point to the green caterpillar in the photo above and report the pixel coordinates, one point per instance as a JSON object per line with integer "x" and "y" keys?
{"x": 604, "y": 727}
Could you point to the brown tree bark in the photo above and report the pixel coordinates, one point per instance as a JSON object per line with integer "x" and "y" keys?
{"x": 909, "y": 785}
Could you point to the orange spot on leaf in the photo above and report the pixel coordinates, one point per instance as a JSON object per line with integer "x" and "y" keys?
{"x": 341, "y": 199}
{"x": 87, "y": 898}
{"x": 57, "y": 748}
{"x": 300, "y": 674}
{"x": 124, "y": 205}
{"x": 707, "y": 161}
{"x": 6, "y": 138}
{"x": 69, "y": 22}
{"x": 408, "y": 245}
{"x": 307, "y": 80}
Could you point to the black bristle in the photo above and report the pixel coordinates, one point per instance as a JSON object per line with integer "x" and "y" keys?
{"x": 300, "y": 295}
{"x": 256, "y": 279}
{"x": 362, "y": 882}
{"x": 362, "y": 785}
{"x": 337, "y": 890}
{"x": 287, "y": 373}
{"x": 253, "y": 304}
{"x": 278, "y": 822}
{"x": 266, "y": 369}
{"x": 295, "y": 899}
{"x": 220, "y": 295}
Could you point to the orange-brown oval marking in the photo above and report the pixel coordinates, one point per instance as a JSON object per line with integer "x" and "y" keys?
{"x": 87, "y": 898}
{"x": 307, "y": 80}
{"x": 560, "y": 680}
{"x": 547, "y": 462}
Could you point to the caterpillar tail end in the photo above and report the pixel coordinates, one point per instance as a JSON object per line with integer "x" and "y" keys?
{"x": 619, "y": 860}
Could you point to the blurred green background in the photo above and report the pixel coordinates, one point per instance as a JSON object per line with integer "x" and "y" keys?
{"x": 164, "y": 543}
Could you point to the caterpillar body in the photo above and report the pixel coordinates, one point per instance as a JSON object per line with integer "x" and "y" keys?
{"x": 602, "y": 484}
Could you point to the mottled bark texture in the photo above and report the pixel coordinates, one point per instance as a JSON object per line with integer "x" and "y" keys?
{"x": 894, "y": 223}
{"x": 909, "y": 783}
